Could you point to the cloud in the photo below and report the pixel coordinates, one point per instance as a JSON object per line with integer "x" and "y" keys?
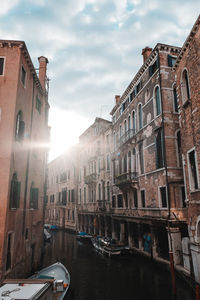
{"x": 94, "y": 47}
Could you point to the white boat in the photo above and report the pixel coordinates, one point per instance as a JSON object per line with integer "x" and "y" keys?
{"x": 109, "y": 247}
{"x": 47, "y": 235}
{"x": 59, "y": 274}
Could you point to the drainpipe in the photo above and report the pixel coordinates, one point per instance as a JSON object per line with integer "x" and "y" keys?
{"x": 167, "y": 184}
{"x": 28, "y": 163}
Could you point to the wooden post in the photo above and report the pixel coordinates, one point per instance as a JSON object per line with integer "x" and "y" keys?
{"x": 197, "y": 292}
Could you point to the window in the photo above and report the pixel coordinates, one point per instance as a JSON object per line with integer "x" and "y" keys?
{"x": 79, "y": 195}
{"x": 9, "y": 246}
{"x": 159, "y": 149}
{"x": 63, "y": 177}
{"x": 140, "y": 116}
{"x": 125, "y": 126}
{"x": 84, "y": 195}
{"x": 179, "y": 152}
{"x": 120, "y": 131}
{"x": 129, "y": 161}
{"x": 108, "y": 191}
{"x": 119, "y": 200}
{"x": 15, "y": 192}
{"x": 129, "y": 123}
{"x": 143, "y": 198}
{"x": 125, "y": 163}
{"x": 69, "y": 195}
{"x": 183, "y": 196}
{"x": 64, "y": 197}
{"x": 99, "y": 165}
{"x": 157, "y": 101}
{"x": 175, "y": 99}
{"x": 153, "y": 68}
{"x": 141, "y": 158}
{"x": 1, "y": 66}
{"x": 133, "y": 121}
{"x": 185, "y": 86}
{"x": 20, "y": 127}
{"x": 72, "y": 195}
{"x": 73, "y": 216}
{"x": 193, "y": 170}
{"x": 171, "y": 60}
{"x": 51, "y": 198}
{"x": 108, "y": 162}
{"x": 163, "y": 196}
{"x": 113, "y": 201}
{"x": 23, "y": 76}
{"x": 34, "y": 193}
{"x": 38, "y": 104}
{"x": 99, "y": 191}
{"x": 135, "y": 198}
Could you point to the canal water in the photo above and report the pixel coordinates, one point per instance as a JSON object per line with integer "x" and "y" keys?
{"x": 95, "y": 277}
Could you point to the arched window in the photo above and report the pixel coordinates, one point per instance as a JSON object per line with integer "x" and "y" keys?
{"x": 157, "y": 101}
{"x": 133, "y": 121}
{"x": 179, "y": 152}
{"x": 129, "y": 122}
{"x": 125, "y": 126}
{"x": 20, "y": 126}
{"x": 185, "y": 86}
{"x": 175, "y": 99}
{"x": 120, "y": 131}
{"x": 140, "y": 121}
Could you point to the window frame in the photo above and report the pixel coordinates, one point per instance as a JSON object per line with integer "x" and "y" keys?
{"x": 191, "y": 183}
{"x": 3, "y": 68}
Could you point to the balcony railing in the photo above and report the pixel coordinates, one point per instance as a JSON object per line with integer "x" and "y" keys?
{"x": 126, "y": 178}
{"x": 92, "y": 178}
{"x": 126, "y": 137}
{"x": 61, "y": 203}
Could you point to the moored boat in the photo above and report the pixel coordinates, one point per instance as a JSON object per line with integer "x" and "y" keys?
{"x": 84, "y": 237}
{"x": 108, "y": 246}
{"x": 59, "y": 274}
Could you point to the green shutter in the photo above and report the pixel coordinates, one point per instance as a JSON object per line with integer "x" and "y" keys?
{"x": 150, "y": 71}
{"x": 170, "y": 61}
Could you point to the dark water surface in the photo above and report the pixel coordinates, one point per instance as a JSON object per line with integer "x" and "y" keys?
{"x": 95, "y": 277}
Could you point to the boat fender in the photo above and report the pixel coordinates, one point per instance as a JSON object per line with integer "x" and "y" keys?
{"x": 65, "y": 285}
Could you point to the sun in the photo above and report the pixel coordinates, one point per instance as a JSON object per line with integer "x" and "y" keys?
{"x": 66, "y": 127}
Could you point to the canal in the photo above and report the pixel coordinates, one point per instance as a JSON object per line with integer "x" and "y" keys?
{"x": 95, "y": 277}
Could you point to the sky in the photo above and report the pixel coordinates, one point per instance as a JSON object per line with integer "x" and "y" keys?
{"x": 94, "y": 50}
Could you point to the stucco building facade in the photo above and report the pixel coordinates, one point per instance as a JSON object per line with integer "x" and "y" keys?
{"x": 24, "y": 135}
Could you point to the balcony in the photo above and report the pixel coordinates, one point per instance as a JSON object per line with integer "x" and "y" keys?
{"x": 126, "y": 179}
{"x": 89, "y": 179}
{"x": 126, "y": 137}
{"x": 61, "y": 203}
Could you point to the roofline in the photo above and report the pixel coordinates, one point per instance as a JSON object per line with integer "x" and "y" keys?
{"x": 96, "y": 120}
{"x": 187, "y": 41}
{"x": 22, "y": 46}
{"x": 145, "y": 65}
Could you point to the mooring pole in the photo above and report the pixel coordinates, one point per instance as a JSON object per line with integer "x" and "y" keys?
{"x": 171, "y": 257}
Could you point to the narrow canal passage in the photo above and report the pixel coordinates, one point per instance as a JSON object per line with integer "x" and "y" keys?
{"x": 95, "y": 277}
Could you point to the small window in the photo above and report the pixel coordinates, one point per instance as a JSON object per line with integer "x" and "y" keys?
{"x": 79, "y": 195}
{"x": 2, "y": 66}
{"x": 108, "y": 191}
{"x": 51, "y": 198}
{"x": 133, "y": 121}
{"x": 163, "y": 196}
{"x": 159, "y": 149}
{"x": 108, "y": 162}
{"x": 84, "y": 195}
{"x": 193, "y": 170}
{"x": 140, "y": 115}
{"x": 135, "y": 198}
{"x": 157, "y": 101}
{"x": 15, "y": 192}
{"x": 20, "y": 127}
{"x": 171, "y": 60}
{"x": 175, "y": 100}
{"x": 179, "y": 151}
{"x": 38, "y": 104}
{"x": 141, "y": 158}
{"x": 23, "y": 76}
{"x": 113, "y": 201}
{"x": 153, "y": 68}
{"x": 185, "y": 86}
{"x": 120, "y": 201}
{"x": 99, "y": 191}
{"x": 64, "y": 197}
{"x": 143, "y": 200}
{"x": 34, "y": 194}
{"x": 183, "y": 196}
{"x": 72, "y": 195}
{"x": 9, "y": 246}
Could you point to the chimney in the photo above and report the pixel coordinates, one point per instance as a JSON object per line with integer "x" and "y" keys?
{"x": 146, "y": 52}
{"x": 43, "y": 61}
{"x": 117, "y": 99}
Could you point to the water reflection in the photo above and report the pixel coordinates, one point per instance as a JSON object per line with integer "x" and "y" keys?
{"x": 94, "y": 277}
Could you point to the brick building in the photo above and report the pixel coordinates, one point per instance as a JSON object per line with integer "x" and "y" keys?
{"x": 24, "y": 134}
{"x": 62, "y": 190}
{"x": 187, "y": 70}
